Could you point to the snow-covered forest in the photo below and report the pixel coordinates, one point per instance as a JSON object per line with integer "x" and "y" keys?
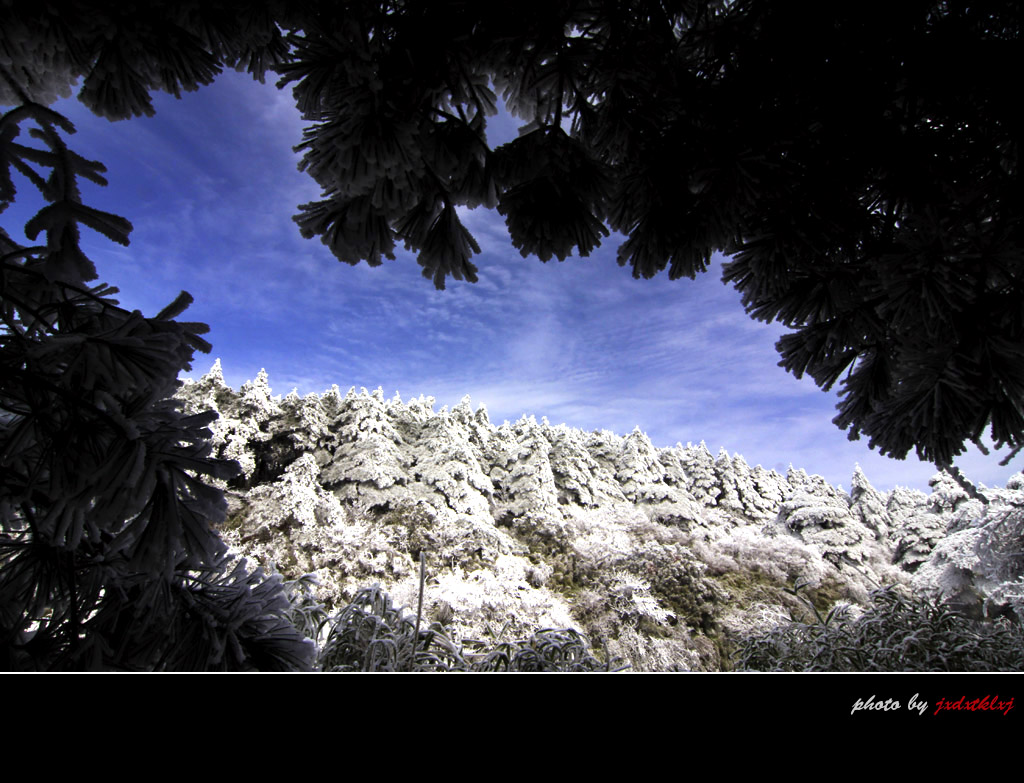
{"x": 664, "y": 558}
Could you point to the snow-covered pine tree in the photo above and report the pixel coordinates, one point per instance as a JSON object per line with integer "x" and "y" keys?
{"x": 109, "y": 557}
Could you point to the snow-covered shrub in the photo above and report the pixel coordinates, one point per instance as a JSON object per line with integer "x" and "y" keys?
{"x": 980, "y": 567}
{"x": 633, "y": 599}
{"x": 781, "y": 559}
{"x": 1000, "y": 549}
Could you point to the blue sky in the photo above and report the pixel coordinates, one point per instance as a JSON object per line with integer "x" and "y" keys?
{"x": 210, "y": 184}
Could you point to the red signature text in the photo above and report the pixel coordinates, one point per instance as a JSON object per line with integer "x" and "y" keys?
{"x": 974, "y": 705}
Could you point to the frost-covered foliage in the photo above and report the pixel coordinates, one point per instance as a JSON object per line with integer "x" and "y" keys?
{"x": 979, "y": 565}
{"x": 666, "y": 556}
{"x": 898, "y": 633}
{"x": 372, "y": 635}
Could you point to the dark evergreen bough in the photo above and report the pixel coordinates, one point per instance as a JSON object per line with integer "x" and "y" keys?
{"x": 109, "y": 556}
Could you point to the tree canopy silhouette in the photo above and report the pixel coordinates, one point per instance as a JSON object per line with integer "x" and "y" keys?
{"x": 857, "y": 161}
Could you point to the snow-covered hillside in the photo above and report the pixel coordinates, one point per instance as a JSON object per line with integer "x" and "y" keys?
{"x": 664, "y": 556}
